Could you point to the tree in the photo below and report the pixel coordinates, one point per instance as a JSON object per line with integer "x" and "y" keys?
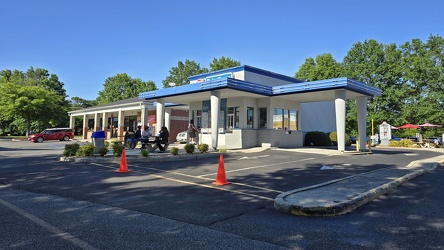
{"x": 423, "y": 65}
{"x": 223, "y": 63}
{"x": 28, "y": 103}
{"x": 324, "y": 67}
{"x": 179, "y": 74}
{"x": 26, "y": 117}
{"x": 122, "y": 86}
{"x": 80, "y": 103}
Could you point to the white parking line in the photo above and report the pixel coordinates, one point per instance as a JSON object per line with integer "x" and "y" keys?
{"x": 263, "y": 166}
{"x": 58, "y": 232}
{"x": 198, "y": 184}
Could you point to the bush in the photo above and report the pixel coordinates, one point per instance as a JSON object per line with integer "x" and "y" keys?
{"x": 317, "y": 138}
{"x": 401, "y": 143}
{"x": 174, "y": 151}
{"x": 86, "y": 150}
{"x": 222, "y": 150}
{"x": 334, "y": 139}
{"x": 145, "y": 153}
{"x": 189, "y": 148}
{"x": 117, "y": 149}
{"x": 203, "y": 148}
{"x": 107, "y": 144}
{"x": 103, "y": 151}
{"x": 71, "y": 149}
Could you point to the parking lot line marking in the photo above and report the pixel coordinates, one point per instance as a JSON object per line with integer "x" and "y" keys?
{"x": 209, "y": 179}
{"x": 263, "y": 166}
{"x": 58, "y": 232}
{"x": 194, "y": 184}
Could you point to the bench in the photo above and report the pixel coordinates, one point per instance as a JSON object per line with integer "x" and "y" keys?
{"x": 151, "y": 145}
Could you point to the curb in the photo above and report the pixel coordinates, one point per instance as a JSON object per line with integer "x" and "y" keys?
{"x": 348, "y": 205}
{"x": 136, "y": 159}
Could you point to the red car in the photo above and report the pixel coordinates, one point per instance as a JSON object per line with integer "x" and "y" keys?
{"x": 61, "y": 134}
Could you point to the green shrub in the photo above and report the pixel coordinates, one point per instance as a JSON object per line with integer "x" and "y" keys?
{"x": 117, "y": 149}
{"x": 107, "y": 144}
{"x": 189, "y": 148}
{"x": 401, "y": 143}
{"x": 86, "y": 150}
{"x": 145, "y": 153}
{"x": 222, "y": 150}
{"x": 334, "y": 138}
{"x": 317, "y": 138}
{"x": 71, "y": 149}
{"x": 203, "y": 148}
{"x": 174, "y": 151}
{"x": 103, "y": 151}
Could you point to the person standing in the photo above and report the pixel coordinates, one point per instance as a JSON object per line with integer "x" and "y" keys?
{"x": 191, "y": 131}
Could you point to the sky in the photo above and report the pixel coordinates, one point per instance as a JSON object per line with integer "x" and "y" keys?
{"x": 84, "y": 42}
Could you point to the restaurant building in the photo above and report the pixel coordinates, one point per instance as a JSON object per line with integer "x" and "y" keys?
{"x": 244, "y": 107}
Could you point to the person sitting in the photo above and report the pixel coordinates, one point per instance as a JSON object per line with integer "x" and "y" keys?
{"x": 145, "y": 137}
{"x": 130, "y": 138}
{"x": 138, "y": 135}
{"x": 162, "y": 138}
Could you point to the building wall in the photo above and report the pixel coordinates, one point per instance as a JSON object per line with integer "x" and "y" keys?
{"x": 261, "y": 79}
{"x": 318, "y": 116}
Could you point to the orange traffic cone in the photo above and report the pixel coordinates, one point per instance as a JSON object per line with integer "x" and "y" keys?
{"x": 123, "y": 166}
{"x": 221, "y": 178}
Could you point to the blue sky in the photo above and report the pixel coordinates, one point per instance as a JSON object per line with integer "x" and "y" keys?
{"x": 86, "y": 41}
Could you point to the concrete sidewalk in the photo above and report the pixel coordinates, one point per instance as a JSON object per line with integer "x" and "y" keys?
{"x": 343, "y": 195}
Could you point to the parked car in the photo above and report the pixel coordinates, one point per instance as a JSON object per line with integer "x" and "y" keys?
{"x": 182, "y": 137}
{"x": 61, "y": 134}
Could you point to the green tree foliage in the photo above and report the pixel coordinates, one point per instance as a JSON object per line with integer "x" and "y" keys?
{"x": 80, "y": 103}
{"x": 377, "y": 65}
{"x": 423, "y": 65}
{"x": 411, "y": 77}
{"x": 33, "y": 100}
{"x": 122, "y": 86}
{"x": 179, "y": 74}
{"x": 28, "y": 103}
{"x": 324, "y": 67}
{"x": 223, "y": 63}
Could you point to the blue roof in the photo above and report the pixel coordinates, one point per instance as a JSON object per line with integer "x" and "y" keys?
{"x": 294, "y": 86}
{"x": 248, "y": 69}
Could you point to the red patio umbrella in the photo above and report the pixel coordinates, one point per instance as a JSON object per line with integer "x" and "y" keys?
{"x": 409, "y": 126}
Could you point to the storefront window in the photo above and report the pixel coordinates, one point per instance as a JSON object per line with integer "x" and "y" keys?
{"x": 262, "y": 118}
{"x": 130, "y": 122}
{"x": 232, "y": 117}
{"x": 285, "y": 119}
{"x": 250, "y": 117}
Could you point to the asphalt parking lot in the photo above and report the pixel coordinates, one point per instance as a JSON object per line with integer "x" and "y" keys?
{"x": 182, "y": 190}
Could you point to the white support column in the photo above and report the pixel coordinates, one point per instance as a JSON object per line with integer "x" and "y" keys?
{"x": 215, "y": 107}
{"x": 144, "y": 116}
{"x": 160, "y": 110}
{"x": 85, "y": 128}
{"x": 340, "y": 97}
{"x": 361, "y": 103}
{"x": 71, "y": 122}
{"x": 96, "y": 122}
{"x": 168, "y": 118}
{"x": 104, "y": 120}
{"x": 120, "y": 124}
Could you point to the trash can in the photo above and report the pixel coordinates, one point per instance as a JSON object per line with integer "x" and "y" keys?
{"x": 98, "y": 140}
